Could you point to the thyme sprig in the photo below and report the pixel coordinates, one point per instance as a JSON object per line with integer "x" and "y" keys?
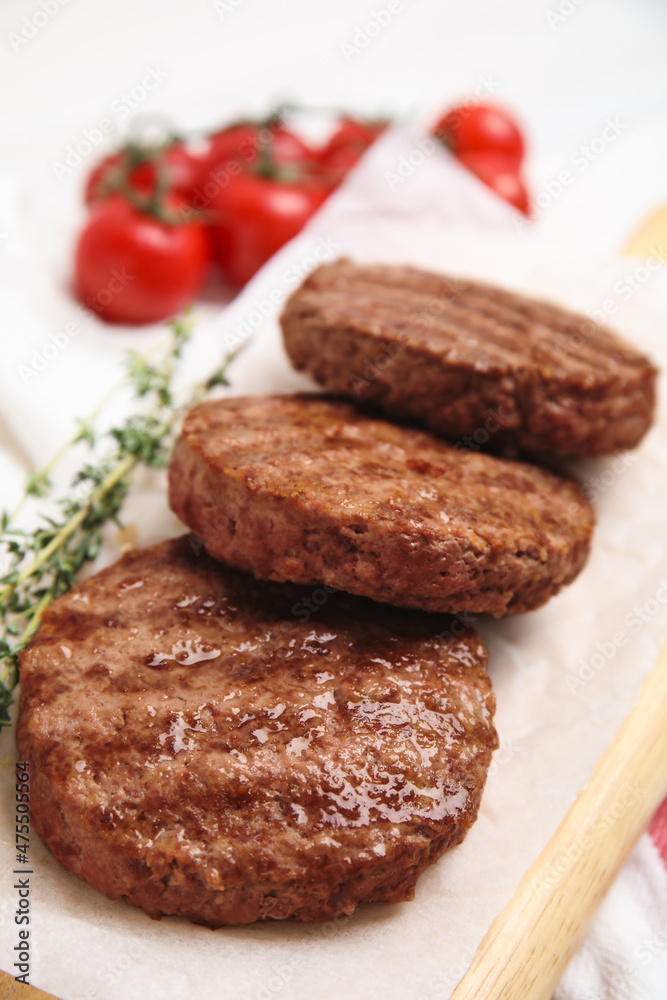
{"x": 43, "y": 563}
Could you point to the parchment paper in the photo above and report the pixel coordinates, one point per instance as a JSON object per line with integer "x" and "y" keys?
{"x": 564, "y": 676}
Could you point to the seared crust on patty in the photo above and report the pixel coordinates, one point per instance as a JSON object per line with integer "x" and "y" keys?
{"x": 307, "y": 489}
{"x": 205, "y": 745}
{"x": 465, "y": 358}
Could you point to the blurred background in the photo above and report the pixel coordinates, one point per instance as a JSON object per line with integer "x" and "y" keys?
{"x": 563, "y": 66}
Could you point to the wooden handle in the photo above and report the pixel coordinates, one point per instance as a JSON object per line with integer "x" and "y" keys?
{"x": 11, "y": 990}
{"x": 527, "y": 947}
{"x": 649, "y": 238}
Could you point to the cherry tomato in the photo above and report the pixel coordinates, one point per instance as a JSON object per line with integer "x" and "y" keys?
{"x": 184, "y": 170}
{"x": 94, "y": 189}
{"x": 339, "y": 163}
{"x": 131, "y": 267}
{"x": 351, "y": 134}
{"x": 141, "y": 168}
{"x": 480, "y": 128}
{"x": 244, "y": 143}
{"x": 251, "y": 147}
{"x": 346, "y": 147}
{"x": 501, "y": 174}
{"x": 286, "y": 148}
{"x": 255, "y": 216}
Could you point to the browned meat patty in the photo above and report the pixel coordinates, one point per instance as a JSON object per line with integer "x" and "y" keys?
{"x": 307, "y": 489}
{"x": 206, "y": 745}
{"x": 472, "y": 362}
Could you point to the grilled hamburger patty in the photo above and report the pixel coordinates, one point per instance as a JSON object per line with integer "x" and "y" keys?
{"x": 206, "y": 745}
{"x": 306, "y": 489}
{"x": 469, "y": 360}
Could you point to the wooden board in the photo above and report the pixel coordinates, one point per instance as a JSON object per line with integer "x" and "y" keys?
{"x": 526, "y": 949}
{"x": 650, "y": 239}
{"x": 11, "y": 990}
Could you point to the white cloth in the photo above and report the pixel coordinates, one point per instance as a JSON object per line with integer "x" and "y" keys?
{"x": 624, "y": 956}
